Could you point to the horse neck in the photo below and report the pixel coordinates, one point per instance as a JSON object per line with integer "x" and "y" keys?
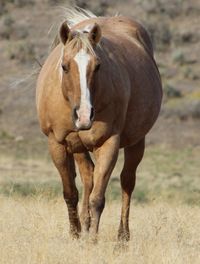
{"x": 102, "y": 90}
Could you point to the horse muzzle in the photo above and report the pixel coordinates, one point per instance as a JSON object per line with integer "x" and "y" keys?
{"x": 83, "y": 117}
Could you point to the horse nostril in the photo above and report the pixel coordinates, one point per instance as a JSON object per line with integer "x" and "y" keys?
{"x": 75, "y": 113}
{"x": 92, "y": 114}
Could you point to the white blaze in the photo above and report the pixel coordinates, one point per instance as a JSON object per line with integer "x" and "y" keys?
{"x": 82, "y": 59}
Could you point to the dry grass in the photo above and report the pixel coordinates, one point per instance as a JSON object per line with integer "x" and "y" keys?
{"x": 164, "y": 219}
{"x": 35, "y": 230}
{"x": 166, "y": 173}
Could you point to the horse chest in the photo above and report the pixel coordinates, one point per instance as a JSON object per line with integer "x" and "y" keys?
{"x": 96, "y": 135}
{"x": 87, "y": 139}
{"x": 74, "y": 143}
{"x": 77, "y": 142}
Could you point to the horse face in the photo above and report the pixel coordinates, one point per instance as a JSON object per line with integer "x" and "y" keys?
{"x": 79, "y": 67}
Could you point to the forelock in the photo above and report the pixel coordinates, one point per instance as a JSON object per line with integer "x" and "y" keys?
{"x": 81, "y": 41}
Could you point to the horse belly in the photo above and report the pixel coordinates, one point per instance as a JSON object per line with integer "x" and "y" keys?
{"x": 139, "y": 121}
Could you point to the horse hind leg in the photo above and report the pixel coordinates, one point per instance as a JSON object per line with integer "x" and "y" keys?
{"x": 86, "y": 168}
{"x": 132, "y": 157}
{"x": 64, "y": 163}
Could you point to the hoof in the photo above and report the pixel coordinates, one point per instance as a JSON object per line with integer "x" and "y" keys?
{"x": 120, "y": 247}
{"x": 123, "y": 236}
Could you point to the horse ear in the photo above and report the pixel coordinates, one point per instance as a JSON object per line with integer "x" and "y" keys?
{"x": 64, "y": 32}
{"x": 95, "y": 34}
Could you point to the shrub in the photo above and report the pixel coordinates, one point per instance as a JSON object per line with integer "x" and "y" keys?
{"x": 171, "y": 92}
{"x": 22, "y": 51}
{"x": 183, "y": 109}
{"x": 5, "y": 135}
{"x": 22, "y": 3}
{"x": 81, "y": 3}
{"x": 184, "y": 37}
{"x": 189, "y": 73}
{"x": 6, "y": 28}
{"x": 160, "y": 34}
{"x": 195, "y": 109}
{"x": 3, "y": 7}
{"x": 9, "y": 29}
{"x": 178, "y": 57}
{"x": 101, "y": 8}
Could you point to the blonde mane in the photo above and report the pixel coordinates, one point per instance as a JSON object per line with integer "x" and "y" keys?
{"x": 74, "y": 16}
{"x": 81, "y": 41}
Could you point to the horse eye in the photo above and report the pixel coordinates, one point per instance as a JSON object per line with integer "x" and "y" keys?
{"x": 97, "y": 67}
{"x": 65, "y": 68}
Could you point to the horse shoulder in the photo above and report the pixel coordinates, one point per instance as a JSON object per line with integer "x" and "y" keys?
{"x": 53, "y": 110}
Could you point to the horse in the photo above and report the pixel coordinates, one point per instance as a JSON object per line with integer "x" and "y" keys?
{"x": 98, "y": 91}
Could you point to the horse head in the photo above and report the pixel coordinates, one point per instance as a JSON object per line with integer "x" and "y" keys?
{"x": 79, "y": 66}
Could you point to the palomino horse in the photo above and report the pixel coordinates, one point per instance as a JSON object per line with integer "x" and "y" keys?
{"x": 98, "y": 91}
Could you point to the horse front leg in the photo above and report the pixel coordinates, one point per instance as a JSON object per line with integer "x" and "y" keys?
{"x": 106, "y": 157}
{"x": 64, "y": 162}
{"x": 86, "y": 169}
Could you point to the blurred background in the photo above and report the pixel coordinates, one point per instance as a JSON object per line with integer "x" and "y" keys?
{"x": 170, "y": 169}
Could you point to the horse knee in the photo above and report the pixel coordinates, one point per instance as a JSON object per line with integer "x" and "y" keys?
{"x": 97, "y": 203}
{"x": 88, "y": 185}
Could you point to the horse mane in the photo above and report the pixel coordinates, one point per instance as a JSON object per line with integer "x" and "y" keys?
{"x": 76, "y": 15}
{"x": 81, "y": 41}
{"x": 73, "y": 16}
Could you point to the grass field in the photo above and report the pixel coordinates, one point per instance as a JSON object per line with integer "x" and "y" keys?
{"x": 164, "y": 220}
{"x": 35, "y": 230}
{"x": 165, "y": 173}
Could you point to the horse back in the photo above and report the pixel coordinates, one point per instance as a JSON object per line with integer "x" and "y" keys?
{"x": 121, "y": 27}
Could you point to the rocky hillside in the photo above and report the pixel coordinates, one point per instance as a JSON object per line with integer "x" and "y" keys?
{"x": 25, "y": 40}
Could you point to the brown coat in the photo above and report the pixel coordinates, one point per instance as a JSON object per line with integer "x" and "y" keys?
{"x": 126, "y": 96}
